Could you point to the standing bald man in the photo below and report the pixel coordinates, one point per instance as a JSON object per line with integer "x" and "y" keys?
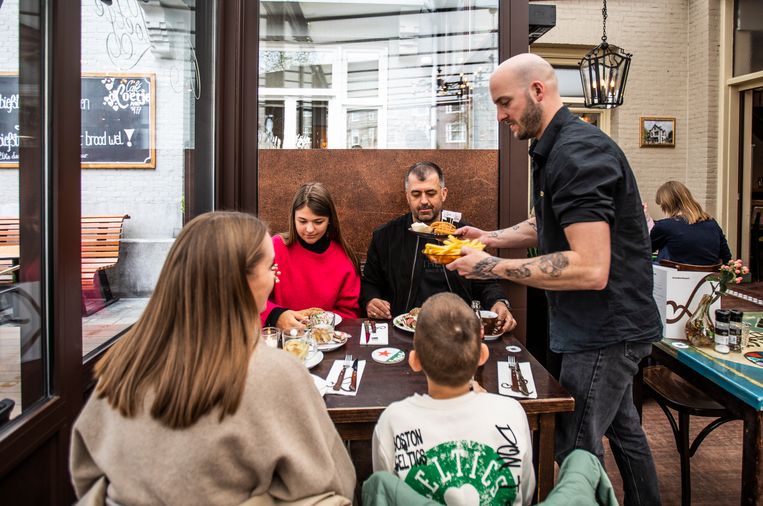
{"x": 595, "y": 264}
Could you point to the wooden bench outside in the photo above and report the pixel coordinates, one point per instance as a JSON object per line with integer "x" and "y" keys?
{"x": 101, "y": 236}
{"x": 9, "y": 236}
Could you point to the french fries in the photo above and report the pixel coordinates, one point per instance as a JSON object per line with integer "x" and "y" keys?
{"x": 452, "y": 246}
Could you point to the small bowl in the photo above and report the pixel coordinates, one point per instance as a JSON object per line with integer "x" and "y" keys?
{"x": 442, "y": 259}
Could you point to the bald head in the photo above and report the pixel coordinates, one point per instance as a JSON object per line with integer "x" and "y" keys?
{"x": 525, "y": 68}
{"x": 526, "y": 94}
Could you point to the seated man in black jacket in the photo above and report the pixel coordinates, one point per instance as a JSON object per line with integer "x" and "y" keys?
{"x": 398, "y": 277}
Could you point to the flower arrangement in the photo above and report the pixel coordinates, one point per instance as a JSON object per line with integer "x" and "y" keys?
{"x": 729, "y": 273}
{"x": 699, "y": 328}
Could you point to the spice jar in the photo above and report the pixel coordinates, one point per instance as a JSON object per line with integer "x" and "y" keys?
{"x": 721, "y": 331}
{"x": 735, "y": 331}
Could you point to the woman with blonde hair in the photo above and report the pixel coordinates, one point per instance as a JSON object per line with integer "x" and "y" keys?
{"x": 190, "y": 406}
{"x": 688, "y": 235}
{"x": 318, "y": 267}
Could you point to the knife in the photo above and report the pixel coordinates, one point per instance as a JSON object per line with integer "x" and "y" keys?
{"x": 354, "y": 380}
{"x": 340, "y": 379}
{"x": 367, "y": 331}
{"x": 521, "y": 381}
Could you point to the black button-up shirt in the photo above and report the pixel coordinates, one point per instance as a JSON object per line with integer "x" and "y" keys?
{"x": 580, "y": 175}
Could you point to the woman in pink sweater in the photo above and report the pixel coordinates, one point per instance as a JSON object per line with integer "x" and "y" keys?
{"x": 318, "y": 268}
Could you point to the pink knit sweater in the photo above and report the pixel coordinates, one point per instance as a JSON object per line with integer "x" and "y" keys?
{"x": 327, "y": 280}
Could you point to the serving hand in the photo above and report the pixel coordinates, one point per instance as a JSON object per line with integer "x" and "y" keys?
{"x": 291, "y": 320}
{"x": 474, "y": 264}
{"x": 474, "y": 233}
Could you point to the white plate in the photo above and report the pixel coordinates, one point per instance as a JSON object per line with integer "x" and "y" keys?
{"x": 398, "y": 322}
{"x": 337, "y": 318}
{"x": 493, "y": 337}
{"x": 314, "y": 359}
{"x": 320, "y": 384}
{"x": 340, "y": 338}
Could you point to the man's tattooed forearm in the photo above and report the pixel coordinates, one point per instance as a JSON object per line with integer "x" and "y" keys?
{"x": 520, "y": 272}
{"x": 484, "y": 268}
{"x": 533, "y": 225}
{"x": 553, "y": 264}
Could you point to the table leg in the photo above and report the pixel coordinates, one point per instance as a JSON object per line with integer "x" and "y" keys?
{"x": 752, "y": 458}
{"x": 545, "y": 478}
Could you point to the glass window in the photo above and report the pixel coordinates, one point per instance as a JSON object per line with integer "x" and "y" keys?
{"x": 570, "y": 84}
{"x": 23, "y": 335}
{"x": 405, "y": 61}
{"x": 362, "y": 125}
{"x": 141, "y": 95}
{"x": 748, "y": 36}
{"x": 456, "y": 132}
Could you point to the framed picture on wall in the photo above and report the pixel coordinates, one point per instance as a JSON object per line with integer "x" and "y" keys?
{"x": 657, "y": 132}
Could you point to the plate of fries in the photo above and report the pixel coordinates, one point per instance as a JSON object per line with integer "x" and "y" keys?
{"x": 450, "y": 249}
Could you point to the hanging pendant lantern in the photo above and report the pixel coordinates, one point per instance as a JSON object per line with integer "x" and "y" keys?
{"x": 604, "y": 72}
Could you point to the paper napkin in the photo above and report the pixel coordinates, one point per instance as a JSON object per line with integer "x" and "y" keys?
{"x": 504, "y": 380}
{"x": 333, "y": 376}
{"x": 379, "y": 338}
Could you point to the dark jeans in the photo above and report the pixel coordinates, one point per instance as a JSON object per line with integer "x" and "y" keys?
{"x": 600, "y": 381}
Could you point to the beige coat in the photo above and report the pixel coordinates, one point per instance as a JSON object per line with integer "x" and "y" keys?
{"x": 280, "y": 442}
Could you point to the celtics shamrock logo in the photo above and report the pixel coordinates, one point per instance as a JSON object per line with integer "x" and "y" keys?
{"x": 463, "y": 472}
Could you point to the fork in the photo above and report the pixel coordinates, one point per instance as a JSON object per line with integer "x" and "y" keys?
{"x": 347, "y": 364}
{"x": 512, "y": 362}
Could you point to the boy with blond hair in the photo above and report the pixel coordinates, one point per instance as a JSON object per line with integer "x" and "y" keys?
{"x": 455, "y": 445}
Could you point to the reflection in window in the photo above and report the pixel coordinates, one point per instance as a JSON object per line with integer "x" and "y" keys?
{"x": 362, "y": 125}
{"x": 748, "y": 36}
{"x": 407, "y": 63}
{"x": 133, "y": 201}
{"x": 23, "y": 333}
{"x": 311, "y": 124}
{"x": 456, "y": 132}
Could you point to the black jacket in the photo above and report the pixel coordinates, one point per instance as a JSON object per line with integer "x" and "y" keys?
{"x": 389, "y": 272}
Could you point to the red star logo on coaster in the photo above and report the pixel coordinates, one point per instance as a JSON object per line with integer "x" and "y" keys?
{"x": 384, "y": 353}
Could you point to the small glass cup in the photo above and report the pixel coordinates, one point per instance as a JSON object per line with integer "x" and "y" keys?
{"x": 745, "y": 335}
{"x": 299, "y": 343}
{"x": 271, "y": 336}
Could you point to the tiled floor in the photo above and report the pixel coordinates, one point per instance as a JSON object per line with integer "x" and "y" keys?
{"x": 715, "y": 469}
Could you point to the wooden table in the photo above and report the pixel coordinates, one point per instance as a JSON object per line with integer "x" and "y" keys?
{"x": 356, "y": 417}
{"x": 740, "y": 389}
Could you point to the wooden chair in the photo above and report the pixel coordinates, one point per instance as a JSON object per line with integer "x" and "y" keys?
{"x": 690, "y": 267}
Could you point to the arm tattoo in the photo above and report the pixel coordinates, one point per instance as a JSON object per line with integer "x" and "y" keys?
{"x": 515, "y": 228}
{"x": 520, "y": 272}
{"x": 533, "y": 225}
{"x": 553, "y": 264}
{"x": 484, "y": 268}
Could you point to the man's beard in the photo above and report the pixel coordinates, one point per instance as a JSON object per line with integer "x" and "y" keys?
{"x": 428, "y": 221}
{"x": 529, "y": 123}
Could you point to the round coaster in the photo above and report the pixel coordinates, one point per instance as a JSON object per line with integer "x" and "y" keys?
{"x": 680, "y": 345}
{"x": 388, "y": 355}
{"x": 513, "y": 349}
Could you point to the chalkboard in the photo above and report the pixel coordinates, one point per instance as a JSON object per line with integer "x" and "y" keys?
{"x": 9, "y": 120}
{"x": 118, "y": 121}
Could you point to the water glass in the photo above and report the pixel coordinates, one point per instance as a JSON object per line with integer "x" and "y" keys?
{"x": 271, "y": 336}
{"x": 299, "y": 343}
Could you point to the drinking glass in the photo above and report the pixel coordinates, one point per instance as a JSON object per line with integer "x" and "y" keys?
{"x": 299, "y": 343}
{"x": 271, "y": 336}
{"x": 745, "y": 335}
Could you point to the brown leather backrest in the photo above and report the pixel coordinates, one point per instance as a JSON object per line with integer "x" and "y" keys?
{"x": 690, "y": 267}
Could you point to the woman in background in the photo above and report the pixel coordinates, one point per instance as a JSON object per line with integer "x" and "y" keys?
{"x": 688, "y": 235}
{"x": 318, "y": 268}
{"x": 189, "y": 407}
